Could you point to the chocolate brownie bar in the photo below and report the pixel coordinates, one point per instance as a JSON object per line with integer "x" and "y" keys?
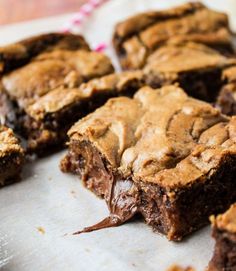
{"x": 226, "y": 100}
{"x": 46, "y": 121}
{"x": 11, "y": 157}
{"x": 139, "y": 36}
{"x": 19, "y": 53}
{"x": 193, "y": 66}
{"x": 58, "y": 70}
{"x": 224, "y": 232}
{"x": 155, "y": 155}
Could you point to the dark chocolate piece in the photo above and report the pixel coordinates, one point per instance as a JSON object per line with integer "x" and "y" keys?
{"x": 11, "y": 157}
{"x": 154, "y": 155}
{"x": 139, "y": 36}
{"x": 224, "y": 232}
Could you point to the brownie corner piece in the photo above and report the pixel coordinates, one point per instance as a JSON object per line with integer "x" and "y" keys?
{"x": 11, "y": 157}
{"x": 157, "y": 167}
{"x": 224, "y": 233}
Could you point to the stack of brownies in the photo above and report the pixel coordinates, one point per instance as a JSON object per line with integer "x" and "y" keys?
{"x": 162, "y": 140}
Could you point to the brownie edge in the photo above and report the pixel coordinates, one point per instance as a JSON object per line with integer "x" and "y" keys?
{"x": 224, "y": 233}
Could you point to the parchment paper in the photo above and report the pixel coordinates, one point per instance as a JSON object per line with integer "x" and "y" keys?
{"x": 36, "y": 213}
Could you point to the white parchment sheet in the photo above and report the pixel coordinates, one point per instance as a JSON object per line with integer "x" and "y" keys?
{"x": 37, "y": 212}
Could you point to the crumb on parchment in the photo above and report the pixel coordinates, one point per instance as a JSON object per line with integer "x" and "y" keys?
{"x": 41, "y": 230}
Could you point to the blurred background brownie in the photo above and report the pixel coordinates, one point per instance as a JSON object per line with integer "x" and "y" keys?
{"x": 11, "y": 157}
{"x": 153, "y": 155}
{"x": 197, "y": 68}
{"x": 226, "y": 99}
{"x": 64, "y": 65}
{"x": 139, "y": 36}
{"x": 224, "y": 232}
{"x": 19, "y": 53}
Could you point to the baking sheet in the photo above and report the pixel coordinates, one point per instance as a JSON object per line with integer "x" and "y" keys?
{"x": 36, "y": 213}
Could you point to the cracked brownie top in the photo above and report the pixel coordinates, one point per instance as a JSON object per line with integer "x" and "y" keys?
{"x": 161, "y": 136}
{"x": 138, "y": 36}
{"x": 174, "y": 59}
{"x": 60, "y": 98}
{"x": 19, "y": 53}
{"x": 59, "y": 68}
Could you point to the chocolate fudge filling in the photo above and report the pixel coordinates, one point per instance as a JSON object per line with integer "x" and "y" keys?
{"x": 192, "y": 151}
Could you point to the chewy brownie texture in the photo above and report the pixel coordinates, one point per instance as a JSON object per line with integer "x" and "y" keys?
{"x": 11, "y": 157}
{"x": 45, "y": 82}
{"x": 139, "y": 36}
{"x": 197, "y": 68}
{"x": 161, "y": 154}
{"x": 226, "y": 100}
{"x": 224, "y": 232}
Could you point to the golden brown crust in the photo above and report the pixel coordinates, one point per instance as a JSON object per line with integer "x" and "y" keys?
{"x": 52, "y": 70}
{"x": 19, "y": 53}
{"x": 189, "y": 138}
{"x": 111, "y": 85}
{"x": 179, "y": 58}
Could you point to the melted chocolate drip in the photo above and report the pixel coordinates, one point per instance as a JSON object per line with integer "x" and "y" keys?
{"x": 122, "y": 200}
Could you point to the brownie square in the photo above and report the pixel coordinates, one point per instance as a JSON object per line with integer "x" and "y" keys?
{"x": 226, "y": 99}
{"x": 197, "y": 68}
{"x": 11, "y": 157}
{"x": 139, "y": 36}
{"x": 224, "y": 232}
{"x": 161, "y": 154}
{"x": 59, "y": 69}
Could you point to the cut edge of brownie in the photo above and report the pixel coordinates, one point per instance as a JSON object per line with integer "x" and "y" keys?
{"x": 173, "y": 212}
